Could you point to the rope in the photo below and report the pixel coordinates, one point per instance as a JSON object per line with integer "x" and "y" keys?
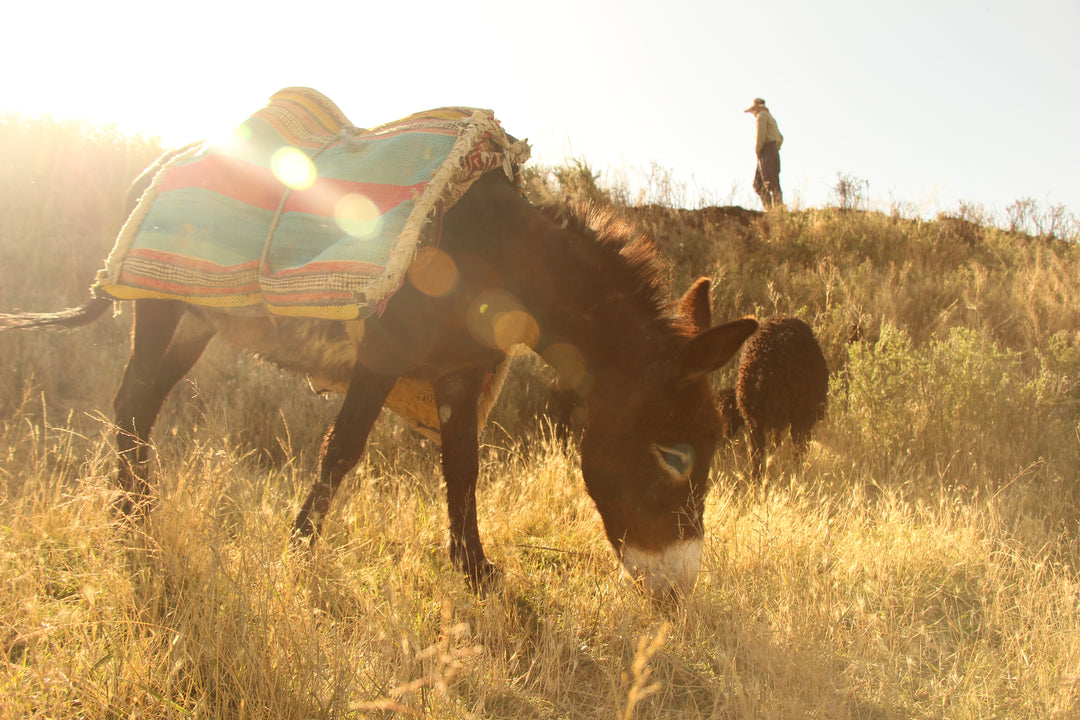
{"x": 348, "y": 135}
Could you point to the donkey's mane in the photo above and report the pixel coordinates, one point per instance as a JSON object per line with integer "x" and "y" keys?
{"x": 632, "y": 257}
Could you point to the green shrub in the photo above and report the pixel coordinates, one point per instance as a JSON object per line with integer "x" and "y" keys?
{"x": 958, "y": 407}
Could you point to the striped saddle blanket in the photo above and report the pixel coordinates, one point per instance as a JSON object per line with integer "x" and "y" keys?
{"x": 300, "y": 213}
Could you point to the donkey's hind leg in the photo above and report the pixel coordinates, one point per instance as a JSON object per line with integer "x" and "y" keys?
{"x": 344, "y": 445}
{"x": 160, "y": 355}
{"x": 800, "y": 437}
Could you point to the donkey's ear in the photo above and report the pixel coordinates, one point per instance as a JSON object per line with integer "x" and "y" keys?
{"x": 713, "y": 348}
{"x": 694, "y": 305}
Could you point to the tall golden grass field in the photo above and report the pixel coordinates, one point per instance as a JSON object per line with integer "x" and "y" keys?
{"x": 921, "y": 560}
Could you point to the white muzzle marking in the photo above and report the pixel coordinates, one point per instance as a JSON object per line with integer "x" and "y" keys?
{"x": 675, "y": 568}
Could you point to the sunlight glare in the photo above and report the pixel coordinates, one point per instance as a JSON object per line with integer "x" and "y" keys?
{"x": 569, "y": 363}
{"x": 293, "y": 168}
{"x": 232, "y": 142}
{"x": 433, "y": 272}
{"x": 515, "y": 327}
{"x": 497, "y": 319}
{"x": 357, "y": 215}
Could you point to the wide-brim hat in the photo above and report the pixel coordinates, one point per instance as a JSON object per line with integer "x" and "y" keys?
{"x": 759, "y": 104}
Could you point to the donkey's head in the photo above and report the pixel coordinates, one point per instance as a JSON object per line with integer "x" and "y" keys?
{"x": 646, "y": 451}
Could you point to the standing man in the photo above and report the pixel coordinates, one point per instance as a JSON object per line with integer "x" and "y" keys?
{"x": 767, "y": 147}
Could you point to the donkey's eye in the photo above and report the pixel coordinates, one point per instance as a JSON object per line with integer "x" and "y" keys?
{"x": 676, "y": 459}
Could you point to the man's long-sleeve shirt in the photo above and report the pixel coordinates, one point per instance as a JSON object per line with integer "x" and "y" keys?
{"x": 767, "y": 131}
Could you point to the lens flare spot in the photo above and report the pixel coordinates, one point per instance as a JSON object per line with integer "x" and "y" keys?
{"x": 515, "y": 327}
{"x": 293, "y": 168}
{"x": 497, "y": 319}
{"x": 433, "y": 272}
{"x": 358, "y": 216}
{"x": 569, "y": 363}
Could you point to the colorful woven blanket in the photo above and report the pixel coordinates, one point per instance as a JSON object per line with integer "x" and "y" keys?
{"x": 299, "y": 213}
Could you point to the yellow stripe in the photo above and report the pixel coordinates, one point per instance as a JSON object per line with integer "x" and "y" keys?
{"x": 342, "y": 312}
{"x": 123, "y": 292}
{"x": 314, "y": 107}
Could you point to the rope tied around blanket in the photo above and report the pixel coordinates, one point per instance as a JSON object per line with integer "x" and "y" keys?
{"x": 349, "y": 135}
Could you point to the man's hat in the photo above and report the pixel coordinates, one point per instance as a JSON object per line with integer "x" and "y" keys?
{"x": 759, "y": 104}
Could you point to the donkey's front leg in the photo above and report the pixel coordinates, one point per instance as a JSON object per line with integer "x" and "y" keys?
{"x": 457, "y": 396}
{"x": 344, "y": 445}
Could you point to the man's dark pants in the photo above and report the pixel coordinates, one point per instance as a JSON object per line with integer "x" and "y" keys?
{"x": 767, "y": 176}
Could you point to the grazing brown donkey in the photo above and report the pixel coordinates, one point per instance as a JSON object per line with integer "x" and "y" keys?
{"x": 783, "y": 383}
{"x": 583, "y": 291}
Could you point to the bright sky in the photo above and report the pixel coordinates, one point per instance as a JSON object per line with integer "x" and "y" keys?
{"x": 933, "y": 102}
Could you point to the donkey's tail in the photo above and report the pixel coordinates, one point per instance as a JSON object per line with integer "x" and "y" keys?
{"x": 69, "y": 318}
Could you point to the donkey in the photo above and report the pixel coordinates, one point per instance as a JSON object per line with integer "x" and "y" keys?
{"x": 582, "y": 288}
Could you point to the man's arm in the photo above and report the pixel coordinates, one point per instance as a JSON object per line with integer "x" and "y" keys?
{"x": 762, "y": 131}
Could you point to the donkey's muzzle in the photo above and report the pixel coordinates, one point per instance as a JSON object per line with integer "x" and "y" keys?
{"x": 671, "y": 571}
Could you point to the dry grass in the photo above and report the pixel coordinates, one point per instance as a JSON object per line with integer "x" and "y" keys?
{"x": 920, "y": 562}
{"x": 815, "y": 602}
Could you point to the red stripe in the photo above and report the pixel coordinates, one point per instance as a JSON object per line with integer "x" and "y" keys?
{"x": 256, "y": 186}
{"x": 131, "y": 279}
{"x": 242, "y": 181}
{"x": 168, "y": 258}
{"x": 321, "y": 197}
{"x": 331, "y": 267}
{"x": 328, "y": 266}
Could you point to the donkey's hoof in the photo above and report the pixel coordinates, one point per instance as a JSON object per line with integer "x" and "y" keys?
{"x": 301, "y": 539}
{"x": 484, "y": 577}
{"x": 134, "y": 507}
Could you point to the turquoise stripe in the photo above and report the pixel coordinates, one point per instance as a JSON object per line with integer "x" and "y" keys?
{"x": 200, "y": 224}
{"x": 301, "y": 238}
{"x": 403, "y": 160}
